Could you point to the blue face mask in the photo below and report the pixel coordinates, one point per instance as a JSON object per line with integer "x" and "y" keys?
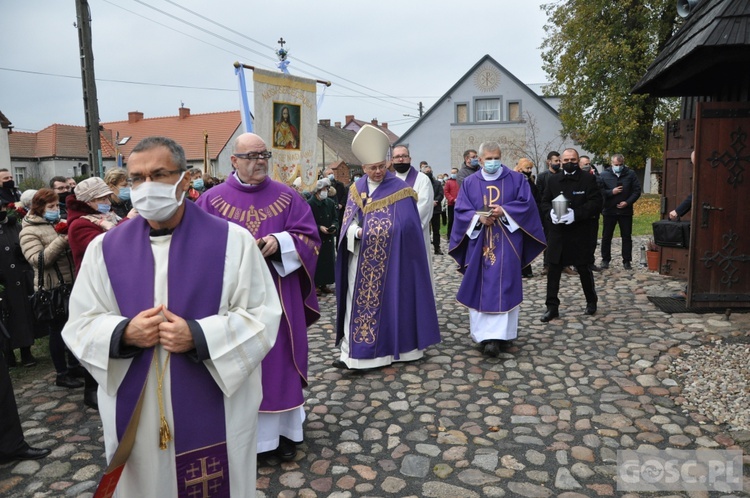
{"x": 198, "y": 184}
{"x": 453, "y": 176}
{"x": 617, "y": 169}
{"x": 124, "y": 193}
{"x": 492, "y": 166}
{"x": 474, "y": 161}
{"x": 103, "y": 208}
{"x": 330, "y": 177}
{"x": 52, "y": 216}
{"x": 357, "y": 178}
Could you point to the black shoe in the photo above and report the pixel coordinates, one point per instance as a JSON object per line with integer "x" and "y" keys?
{"x": 287, "y": 449}
{"x": 339, "y": 364}
{"x": 545, "y": 270}
{"x": 550, "y": 314}
{"x": 11, "y": 360}
{"x": 627, "y": 265}
{"x": 77, "y": 371}
{"x": 66, "y": 380}
{"x": 438, "y": 252}
{"x": 90, "y": 399}
{"x": 28, "y": 361}
{"x": 492, "y": 349}
{"x": 505, "y": 345}
{"x": 604, "y": 265}
{"x": 595, "y": 268}
{"x": 590, "y": 309}
{"x": 29, "y": 453}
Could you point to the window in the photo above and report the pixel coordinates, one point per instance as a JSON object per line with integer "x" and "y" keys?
{"x": 514, "y": 111}
{"x": 462, "y": 113}
{"x": 20, "y": 175}
{"x": 123, "y": 141}
{"x": 487, "y": 109}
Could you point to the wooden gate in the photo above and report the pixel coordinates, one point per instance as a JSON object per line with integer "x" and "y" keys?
{"x": 719, "y": 261}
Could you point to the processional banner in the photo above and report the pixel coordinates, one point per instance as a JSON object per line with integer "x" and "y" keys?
{"x": 286, "y": 118}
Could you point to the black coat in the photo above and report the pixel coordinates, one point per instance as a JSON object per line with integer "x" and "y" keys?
{"x": 17, "y": 277}
{"x": 571, "y": 244}
{"x": 631, "y": 191}
{"x": 325, "y": 213}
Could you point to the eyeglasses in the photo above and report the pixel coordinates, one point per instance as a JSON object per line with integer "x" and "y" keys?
{"x": 161, "y": 176}
{"x": 63, "y": 188}
{"x": 254, "y": 156}
{"x": 407, "y": 156}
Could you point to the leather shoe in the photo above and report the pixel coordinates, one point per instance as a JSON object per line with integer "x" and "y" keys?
{"x": 66, "y": 380}
{"x": 287, "y": 449}
{"x": 492, "y": 349}
{"x": 545, "y": 270}
{"x": 438, "y": 252}
{"x": 339, "y": 364}
{"x": 590, "y": 309}
{"x": 77, "y": 371}
{"x": 29, "y": 453}
{"x": 570, "y": 271}
{"x": 550, "y": 314}
{"x": 595, "y": 268}
{"x": 604, "y": 265}
{"x": 90, "y": 399}
{"x": 627, "y": 265}
{"x": 28, "y": 361}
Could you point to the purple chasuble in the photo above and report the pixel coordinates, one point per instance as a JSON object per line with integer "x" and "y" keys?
{"x": 263, "y": 209}
{"x": 197, "y": 402}
{"x": 393, "y": 306}
{"x": 491, "y": 263}
{"x": 411, "y": 177}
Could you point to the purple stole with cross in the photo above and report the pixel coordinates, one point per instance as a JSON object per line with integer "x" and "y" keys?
{"x": 197, "y": 402}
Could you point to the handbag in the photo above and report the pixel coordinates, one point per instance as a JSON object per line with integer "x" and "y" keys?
{"x": 61, "y": 296}
{"x": 668, "y": 233}
{"x": 41, "y": 299}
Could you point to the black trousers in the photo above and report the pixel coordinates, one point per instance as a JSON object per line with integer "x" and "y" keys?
{"x": 435, "y": 224}
{"x": 626, "y": 232}
{"x": 11, "y": 434}
{"x": 450, "y": 219}
{"x": 553, "y": 284}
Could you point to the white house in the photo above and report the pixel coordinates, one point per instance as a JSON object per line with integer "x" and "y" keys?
{"x": 487, "y": 103}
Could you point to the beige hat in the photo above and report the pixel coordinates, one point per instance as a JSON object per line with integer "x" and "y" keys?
{"x": 26, "y": 197}
{"x": 91, "y": 188}
{"x": 370, "y": 145}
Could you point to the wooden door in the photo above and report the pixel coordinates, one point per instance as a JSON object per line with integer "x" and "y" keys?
{"x": 719, "y": 266}
{"x": 676, "y": 184}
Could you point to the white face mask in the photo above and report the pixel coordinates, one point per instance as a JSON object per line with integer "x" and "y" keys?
{"x": 323, "y": 194}
{"x": 156, "y": 201}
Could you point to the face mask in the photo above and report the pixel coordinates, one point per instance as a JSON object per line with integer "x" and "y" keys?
{"x": 3, "y": 216}
{"x": 52, "y": 216}
{"x": 555, "y": 167}
{"x": 491, "y": 166}
{"x": 330, "y": 177}
{"x": 474, "y": 161}
{"x": 124, "y": 193}
{"x": 156, "y": 201}
{"x": 62, "y": 196}
{"x": 323, "y": 194}
{"x": 9, "y": 184}
{"x": 570, "y": 167}
{"x": 527, "y": 173}
{"x": 401, "y": 167}
{"x": 198, "y": 184}
{"x": 357, "y": 178}
{"x": 453, "y": 176}
{"x": 103, "y": 208}
{"x": 617, "y": 169}
{"x": 586, "y": 168}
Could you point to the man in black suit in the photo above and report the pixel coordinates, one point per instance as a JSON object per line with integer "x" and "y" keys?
{"x": 569, "y": 240}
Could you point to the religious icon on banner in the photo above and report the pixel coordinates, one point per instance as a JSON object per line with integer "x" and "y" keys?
{"x": 286, "y": 125}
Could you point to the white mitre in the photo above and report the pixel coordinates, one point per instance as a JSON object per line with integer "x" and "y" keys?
{"x": 370, "y": 145}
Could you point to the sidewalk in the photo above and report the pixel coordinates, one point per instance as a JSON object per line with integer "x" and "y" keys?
{"x": 545, "y": 419}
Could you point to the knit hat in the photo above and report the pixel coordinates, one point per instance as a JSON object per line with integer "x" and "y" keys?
{"x": 91, "y": 188}
{"x": 26, "y": 197}
{"x": 322, "y": 183}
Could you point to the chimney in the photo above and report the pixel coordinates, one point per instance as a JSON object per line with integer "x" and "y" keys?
{"x": 337, "y": 124}
{"x": 349, "y": 119}
{"x": 374, "y": 122}
{"x": 325, "y": 122}
{"x": 134, "y": 116}
{"x": 384, "y": 125}
{"x": 184, "y": 112}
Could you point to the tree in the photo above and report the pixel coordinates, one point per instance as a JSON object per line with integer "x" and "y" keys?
{"x": 594, "y": 53}
{"x": 532, "y": 145}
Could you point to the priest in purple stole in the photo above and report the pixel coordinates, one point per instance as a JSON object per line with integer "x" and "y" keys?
{"x": 175, "y": 346}
{"x": 283, "y": 223}
{"x": 496, "y": 232}
{"x": 386, "y": 308}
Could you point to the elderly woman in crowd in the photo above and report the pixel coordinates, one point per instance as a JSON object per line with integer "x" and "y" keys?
{"x": 117, "y": 181}
{"x": 327, "y": 219}
{"x": 38, "y": 236}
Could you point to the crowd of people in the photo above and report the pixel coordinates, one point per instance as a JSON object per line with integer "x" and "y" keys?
{"x": 210, "y": 360}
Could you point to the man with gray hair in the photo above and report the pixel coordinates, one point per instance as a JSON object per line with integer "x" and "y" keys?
{"x": 496, "y": 232}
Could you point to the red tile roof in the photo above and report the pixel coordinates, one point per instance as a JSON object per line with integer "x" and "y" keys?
{"x": 57, "y": 140}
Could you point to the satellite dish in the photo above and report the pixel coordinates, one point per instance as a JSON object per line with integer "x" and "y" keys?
{"x": 684, "y": 7}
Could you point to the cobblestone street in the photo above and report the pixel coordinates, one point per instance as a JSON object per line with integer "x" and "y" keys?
{"x": 544, "y": 419}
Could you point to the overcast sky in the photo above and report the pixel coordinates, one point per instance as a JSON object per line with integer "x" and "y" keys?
{"x": 382, "y": 57}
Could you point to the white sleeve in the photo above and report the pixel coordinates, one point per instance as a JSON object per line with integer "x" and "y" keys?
{"x": 425, "y": 198}
{"x": 289, "y": 256}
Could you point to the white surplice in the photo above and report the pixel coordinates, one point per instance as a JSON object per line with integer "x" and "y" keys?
{"x": 425, "y": 205}
{"x": 238, "y": 337}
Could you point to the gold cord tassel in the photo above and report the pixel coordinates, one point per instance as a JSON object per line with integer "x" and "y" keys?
{"x": 165, "y": 435}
